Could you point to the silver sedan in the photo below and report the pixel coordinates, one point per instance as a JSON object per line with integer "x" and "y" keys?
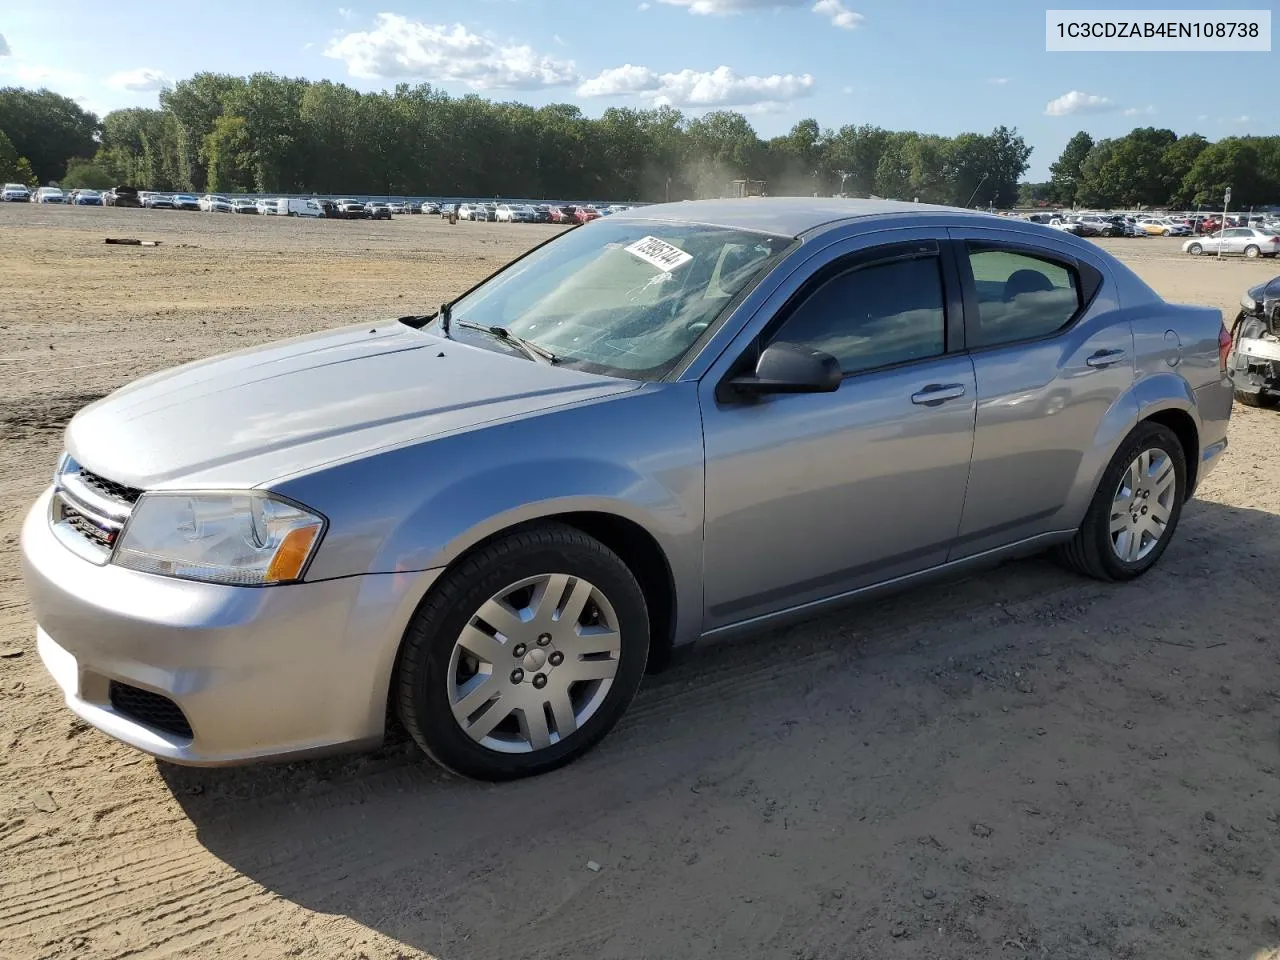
{"x": 679, "y": 422}
{"x": 1246, "y": 241}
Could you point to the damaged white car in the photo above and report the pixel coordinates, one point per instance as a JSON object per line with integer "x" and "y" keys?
{"x": 1254, "y": 362}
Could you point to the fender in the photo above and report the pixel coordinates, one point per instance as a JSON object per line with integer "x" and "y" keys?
{"x": 637, "y": 456}
{"x": 1150, "y": 395}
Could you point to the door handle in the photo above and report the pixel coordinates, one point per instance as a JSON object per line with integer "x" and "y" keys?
{"x": 936, "y": 393}
{"x": 1105, "y": 358}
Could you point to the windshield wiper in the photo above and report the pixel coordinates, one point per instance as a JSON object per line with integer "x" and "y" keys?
{"x": 532, "y": 350}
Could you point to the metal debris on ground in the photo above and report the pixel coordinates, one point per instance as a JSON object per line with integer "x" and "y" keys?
{"x": 130, "y": 242}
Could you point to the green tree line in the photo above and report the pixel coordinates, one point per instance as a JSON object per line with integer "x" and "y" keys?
{"x": 268, "y": 134}
{"x": 1150, "y": 167}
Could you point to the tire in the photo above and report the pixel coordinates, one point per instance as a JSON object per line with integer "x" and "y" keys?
{"x": 1252, "y": 251}
{"x": 1092, "y": 551}
{"x": 1195, "y": 249}
{"x": 1166, "y": 233}
{"x": 435, "y": 668}
{"x": 1262, "y": 401}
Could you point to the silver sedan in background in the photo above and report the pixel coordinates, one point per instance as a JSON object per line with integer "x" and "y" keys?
{"x": 682, "y": 421}
{"x": 1246, "y": 241}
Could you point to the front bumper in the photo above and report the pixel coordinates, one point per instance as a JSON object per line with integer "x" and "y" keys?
{"x": 259, "y": 673}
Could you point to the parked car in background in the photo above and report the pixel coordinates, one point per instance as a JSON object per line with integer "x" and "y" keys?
{"x": 1254, "y": 361}
{"x": 121, "y": 196}
{"x": 585, "y": 214}
{"x": 1092, "y": 225}
{"x": 560, "y": 214}
{"x": 186, "y": 201}
{"x": 466, "y": 211}
{"x": 244, "y": 205}
{"x": 158, "y": 201}
{"x": 350, "y": 209}
{"x": 429, "y": 207}
{"x": 377, "y": 210}
{"x": 1245, "y": 241}
{"x": 485, "y": 211}
{"x": 396, "y": 206}
{"x": 448, "y": 210}
{"x": 1163, "y": 227}
{"x": 86, "y": 198}
{"x": 364, "y": 549}
{"x": 48, "y": 195}
{"x": 215, "y": 203}
{"x": 515, "y": 213}
{"x": 15, "y": 193}
{"x": 1122, "y": 226}
{"x": 1066, "y": 226}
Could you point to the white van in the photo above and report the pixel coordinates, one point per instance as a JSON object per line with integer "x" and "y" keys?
{"x": 294, "y": 207}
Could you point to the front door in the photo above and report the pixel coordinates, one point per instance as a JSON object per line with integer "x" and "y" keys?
{"x": 813, "y": 495}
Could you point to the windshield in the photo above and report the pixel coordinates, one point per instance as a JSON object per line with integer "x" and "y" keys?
{"x": 623, "y": 299}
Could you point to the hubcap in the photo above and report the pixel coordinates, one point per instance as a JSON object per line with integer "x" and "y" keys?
{"x": 534, "y": 663}
{"x": 1143, "y": 504}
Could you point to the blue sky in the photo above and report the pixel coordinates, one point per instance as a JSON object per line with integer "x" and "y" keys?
{"x": 938, "y": 66}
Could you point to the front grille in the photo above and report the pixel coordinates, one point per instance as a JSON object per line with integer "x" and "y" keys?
{"x": 84, "y": 526}
{"x": 149, "y": 709}
{"x": 109, "y": 488}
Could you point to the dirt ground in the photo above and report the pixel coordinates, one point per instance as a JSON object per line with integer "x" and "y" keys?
{"x": 1020, "y": 764}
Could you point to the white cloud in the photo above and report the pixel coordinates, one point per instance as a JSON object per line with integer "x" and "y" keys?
{"x": 1146, "y": 111}
{"x": 558, "y": 39}
{"x": 308, "y": 45}
{"x": 720, "y": 8}
{"x": 998, "y": 81}
{"x": 5, "y": 50}
{"x": 346, "y": 13}
{"x": 1203, "y": 116}
{"x": 643, "y": 7}
{"x": 720, "y": 87}
{"x": 834, "y": 10}
{"x": 846, "y": 90}
{"x": 398, "y": 47}
{"x": 1076, "y": 101}
{"x": 142, "y": 80}
{"x": 1243, "y": 118}
{"x": 839, "y": 15}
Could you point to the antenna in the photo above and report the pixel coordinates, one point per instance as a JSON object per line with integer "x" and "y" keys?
{"x": 977, "y": 188}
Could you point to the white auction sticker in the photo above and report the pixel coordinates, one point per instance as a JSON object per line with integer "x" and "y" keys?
{"x": 659, "y": 253}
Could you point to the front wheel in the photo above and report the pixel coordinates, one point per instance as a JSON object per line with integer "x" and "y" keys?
{"x": 1135, "y": 510}
{"x": 1195, "y": 249}
{"x": 1252, "y": 252}
{"x": 524, "y": 655}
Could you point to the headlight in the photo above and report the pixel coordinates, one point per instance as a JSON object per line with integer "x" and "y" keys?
{"x": 1250, "y": 305}
{"x": 251, "y": 539}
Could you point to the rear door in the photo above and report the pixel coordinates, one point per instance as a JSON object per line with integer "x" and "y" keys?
{"x": 1050, "y": 359}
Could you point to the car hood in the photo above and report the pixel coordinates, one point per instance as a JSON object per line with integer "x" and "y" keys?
{"x": 247, "y": 418}
{"x": 1265, "y": 293}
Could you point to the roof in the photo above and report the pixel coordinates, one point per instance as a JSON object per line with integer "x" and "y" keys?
{"x": 787, "y": 216}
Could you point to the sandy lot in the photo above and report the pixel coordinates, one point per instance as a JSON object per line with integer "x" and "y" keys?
{"x": 1021, "y": 764}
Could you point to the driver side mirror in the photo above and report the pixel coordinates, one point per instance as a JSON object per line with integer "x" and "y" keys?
{"x": 788, "y": 368}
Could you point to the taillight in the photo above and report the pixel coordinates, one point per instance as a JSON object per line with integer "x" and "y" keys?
{"x": 1224, "y": 348}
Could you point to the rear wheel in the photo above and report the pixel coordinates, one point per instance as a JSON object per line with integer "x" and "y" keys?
{"x": 1252, "y": 251}
{"x": 1195, "y": 249}
{"x": 1135, "y": 509}
{"x": 524, "y": 655}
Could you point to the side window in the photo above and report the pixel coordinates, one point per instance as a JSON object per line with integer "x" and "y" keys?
{"x": 873, "y": 316}
{"x": 1020, "y": 296}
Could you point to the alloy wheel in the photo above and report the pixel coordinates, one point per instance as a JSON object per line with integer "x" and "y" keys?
{"x": 1143, "y": 504}
{"x": 534, "y": 663}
